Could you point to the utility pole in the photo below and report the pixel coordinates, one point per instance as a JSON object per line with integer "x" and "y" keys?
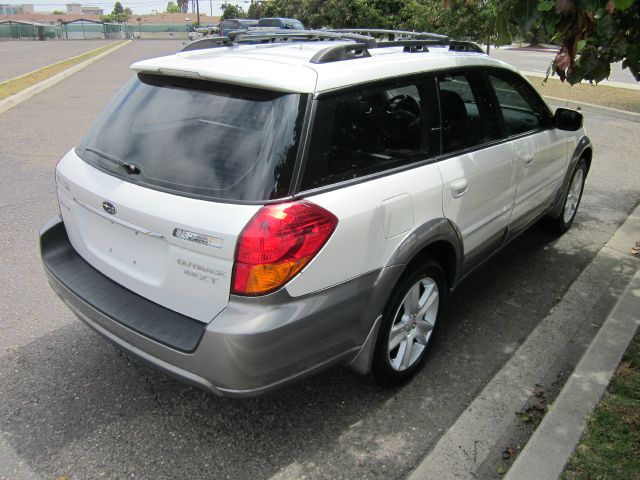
{"x": 211, "y": 8}
{"x": 198, "y": 10}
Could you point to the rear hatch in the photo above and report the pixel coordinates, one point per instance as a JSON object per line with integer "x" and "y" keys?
{"x": 159, "y": 190}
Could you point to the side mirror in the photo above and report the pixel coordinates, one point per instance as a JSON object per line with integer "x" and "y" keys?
{"x": 566, "y": 119}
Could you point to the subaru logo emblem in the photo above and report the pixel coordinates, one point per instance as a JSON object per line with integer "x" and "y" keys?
{"x": 109, "y": 207}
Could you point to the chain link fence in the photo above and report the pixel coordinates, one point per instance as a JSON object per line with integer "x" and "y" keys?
{"x": 89, "y": 30}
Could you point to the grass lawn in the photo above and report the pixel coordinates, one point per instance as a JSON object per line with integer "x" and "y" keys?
{"x": 621, "y": 98}
{"x": 610, "y": 446}
{"x": 15, "y": 85}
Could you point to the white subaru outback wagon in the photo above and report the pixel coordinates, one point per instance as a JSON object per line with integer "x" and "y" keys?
{"x": 248, "y": 212}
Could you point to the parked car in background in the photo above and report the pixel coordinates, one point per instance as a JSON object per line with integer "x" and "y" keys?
{"x": 234, "y": 24}
{"x": 280, "y": 23}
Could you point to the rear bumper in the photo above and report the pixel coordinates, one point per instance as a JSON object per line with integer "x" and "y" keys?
{"x": 252, "y": 346}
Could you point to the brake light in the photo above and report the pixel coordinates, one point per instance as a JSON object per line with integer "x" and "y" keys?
{"x": 277, "y": 243}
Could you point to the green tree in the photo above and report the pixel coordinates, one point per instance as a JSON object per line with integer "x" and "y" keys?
{"x": 592, "y": 34}
{"x": 173, "y": 8}
{"x": 231, "y": 10}
{"x": 118, "y": 15}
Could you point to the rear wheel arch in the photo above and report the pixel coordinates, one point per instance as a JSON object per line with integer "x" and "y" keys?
{"x": 436, "y": 241}
{"x": 442, "y": 252}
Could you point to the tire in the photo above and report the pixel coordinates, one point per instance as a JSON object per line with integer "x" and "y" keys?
{"x": 425, "y": 284}
{"x": 572, "y": 198}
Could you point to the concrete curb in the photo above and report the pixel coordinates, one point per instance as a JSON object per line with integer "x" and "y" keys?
{"x": 27, "y": 93}
{"x": 604, "y": 83}
{"x": 555, "y": 439}
{"x": 463, "y": 449}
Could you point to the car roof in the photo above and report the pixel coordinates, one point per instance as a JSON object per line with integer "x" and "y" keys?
{"x": 287, "y": 67}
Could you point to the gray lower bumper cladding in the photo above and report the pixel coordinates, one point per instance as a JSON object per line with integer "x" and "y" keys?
{"x": 251, "y": 347}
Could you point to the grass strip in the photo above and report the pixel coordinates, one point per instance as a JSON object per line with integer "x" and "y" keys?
{"x": 15, "y": 85}
{"x": 605, "y": 96}
{"x": 610, "y": 446}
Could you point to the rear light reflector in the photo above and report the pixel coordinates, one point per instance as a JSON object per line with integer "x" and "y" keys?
{"x": 277, "y": 243}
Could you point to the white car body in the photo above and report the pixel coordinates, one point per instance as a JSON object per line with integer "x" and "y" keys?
{"x": 482, "y": 197}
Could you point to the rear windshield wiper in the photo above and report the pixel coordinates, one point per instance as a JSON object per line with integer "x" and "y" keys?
{"x": 130, "y": 168}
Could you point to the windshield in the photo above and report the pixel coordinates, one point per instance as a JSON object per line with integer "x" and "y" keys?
{"x": 199, "y": 138}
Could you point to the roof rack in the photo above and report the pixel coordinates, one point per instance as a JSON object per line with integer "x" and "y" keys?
{"x": 363, "y": 40}
{"x": 276, "y": 36}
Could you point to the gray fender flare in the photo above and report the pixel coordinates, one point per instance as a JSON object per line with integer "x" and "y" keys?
{"x": 437, "y": 230}
{"x": 583, "y": 144}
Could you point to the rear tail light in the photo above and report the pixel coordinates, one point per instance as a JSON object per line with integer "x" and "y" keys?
{"x": 277, "y": 243}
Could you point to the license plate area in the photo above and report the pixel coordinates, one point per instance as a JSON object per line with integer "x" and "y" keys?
{"x": 124, "y": 247}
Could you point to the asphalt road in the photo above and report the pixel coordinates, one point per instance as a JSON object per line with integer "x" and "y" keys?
{"x": 71, "y": 404}
{"x": 20, "y": 57}
{"x": 538, "y": 61}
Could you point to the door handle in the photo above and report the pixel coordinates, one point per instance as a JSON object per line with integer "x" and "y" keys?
{"x": 459, "y": 188}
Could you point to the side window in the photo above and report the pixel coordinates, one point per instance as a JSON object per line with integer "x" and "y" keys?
{"x": 521, "y": 107}
{"x": 368, "y": 131}
{"x": 468, "y": 117}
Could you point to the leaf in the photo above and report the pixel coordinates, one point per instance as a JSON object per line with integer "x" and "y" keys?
{"x": 524, "y": 418}
{"x": 581, "y": 45}
{"x": 545, "y": 5}
{"x": 508, "y": 453}
{"x": 623, "y": 4}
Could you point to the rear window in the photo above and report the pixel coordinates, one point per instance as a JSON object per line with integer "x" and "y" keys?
{"x": 270, "y": 22}
{"x": 230, "y": 24}
{"x": 248, "y": 23}
{"x": 199, "y": 138}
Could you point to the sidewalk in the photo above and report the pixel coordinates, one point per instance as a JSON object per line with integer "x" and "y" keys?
{"x": 467, "y": 449}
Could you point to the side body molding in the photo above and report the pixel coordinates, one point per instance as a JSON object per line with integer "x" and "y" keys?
{"x": 435, "y": 233}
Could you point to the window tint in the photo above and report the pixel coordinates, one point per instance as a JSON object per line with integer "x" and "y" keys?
{"x": 369, "y": 131}
{"x": 198, "y": 137}
{"x": 468, "y": 117}
{"x": 522, "y": 109}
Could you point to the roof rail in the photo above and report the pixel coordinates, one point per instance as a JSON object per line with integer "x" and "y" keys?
{"x": 276, "y": 36}
{"x": 392, "y": 35}
{"x": 410, "y": 46}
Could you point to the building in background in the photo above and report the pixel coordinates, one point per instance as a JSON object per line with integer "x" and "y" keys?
{"x": 93, "y": 11}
